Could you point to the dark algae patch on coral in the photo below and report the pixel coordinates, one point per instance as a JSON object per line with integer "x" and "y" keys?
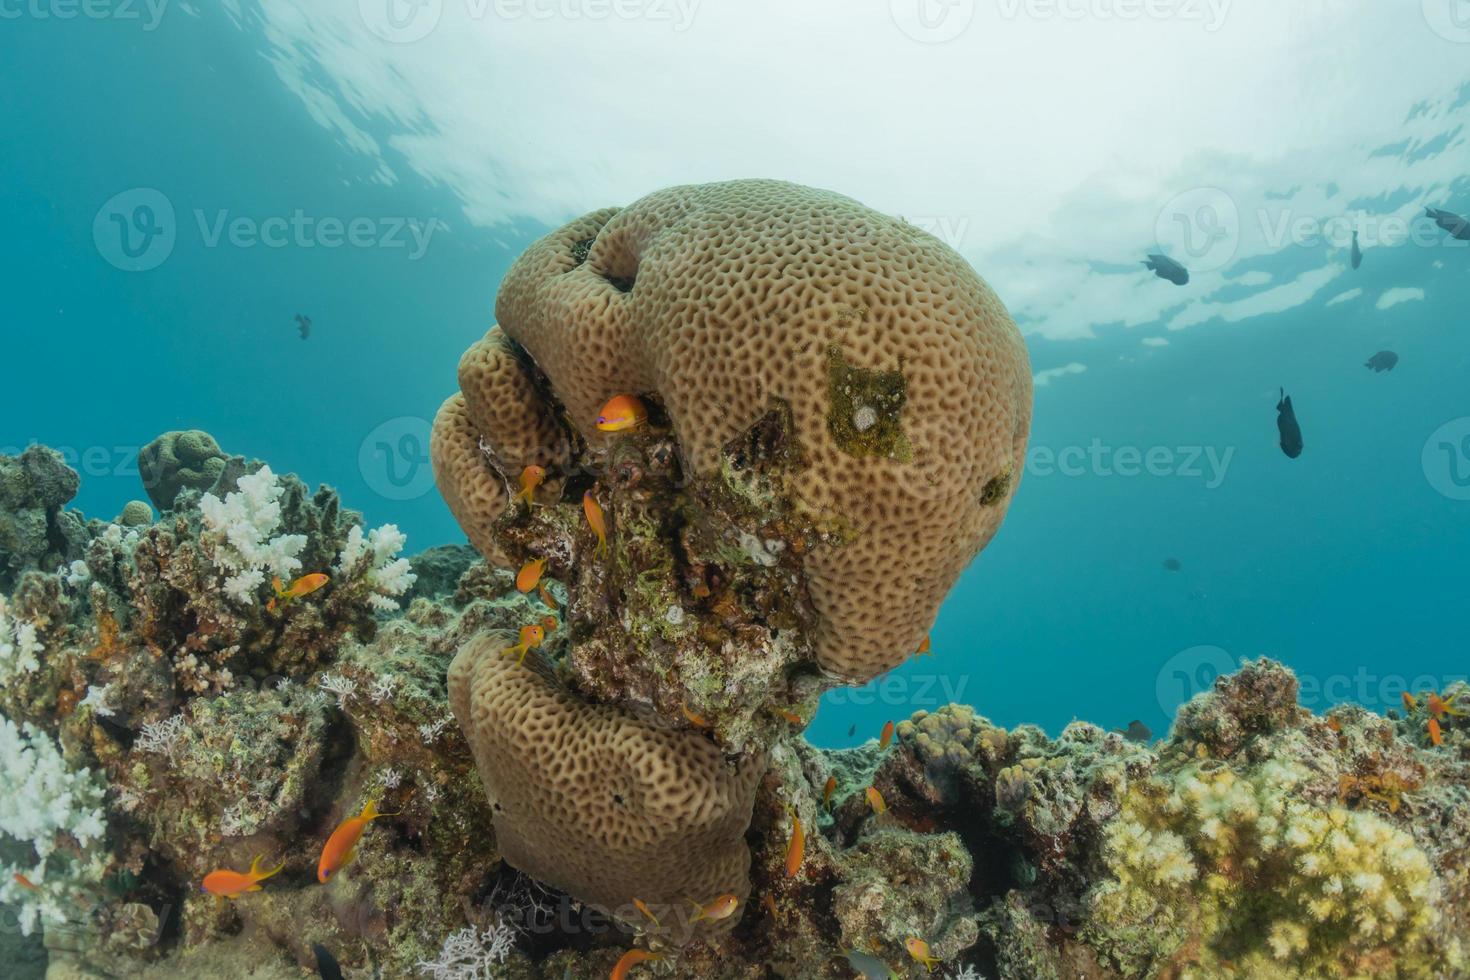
{"x": 866, "y": 418}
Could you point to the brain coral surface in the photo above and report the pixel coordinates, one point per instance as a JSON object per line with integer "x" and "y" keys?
{"x": 908, "y": 384}
{"x": 593, "y": 801}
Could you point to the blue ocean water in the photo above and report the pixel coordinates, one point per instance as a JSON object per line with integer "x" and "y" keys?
{"x": 134, "y": 305}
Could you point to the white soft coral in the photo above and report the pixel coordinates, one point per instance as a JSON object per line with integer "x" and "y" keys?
{"x": 240, "y": 529}
{"x": 41, "y": 801}
{"x": 374, "y": 556}
{"x": 18, "y": 645}
{"x": 471, "y": 954}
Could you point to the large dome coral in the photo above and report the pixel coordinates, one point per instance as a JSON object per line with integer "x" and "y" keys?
{"x": 905, "y": 382}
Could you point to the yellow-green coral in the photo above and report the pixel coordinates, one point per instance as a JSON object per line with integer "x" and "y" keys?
{"x": 1245, "y": 876}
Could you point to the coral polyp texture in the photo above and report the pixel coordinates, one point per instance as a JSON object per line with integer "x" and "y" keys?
{"x": 597, "y": 803}
{"x": 854, "y": 361}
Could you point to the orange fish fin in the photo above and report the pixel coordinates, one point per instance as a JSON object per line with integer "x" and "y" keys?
{"x": 371, "y": 812}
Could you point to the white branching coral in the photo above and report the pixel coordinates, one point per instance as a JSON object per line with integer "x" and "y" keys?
{"x": 19, "y": 645}
{"x": 162, "y": 737}
{"x": 471, "y": 954}
{"x": 382, "y": 688}
{"x": 343, "y": 687}
{"x": 240, "y": 531}
{"x": 375, "y": 557}
{"x": 430, "y": 731}
{"x": 99, "y": 699}
{"x": 43, "y": 802}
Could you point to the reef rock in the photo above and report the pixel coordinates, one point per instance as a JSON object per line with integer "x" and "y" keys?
{"x": 36, "y": 532}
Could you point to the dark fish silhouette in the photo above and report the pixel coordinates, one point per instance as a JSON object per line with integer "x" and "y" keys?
{"x": 852, "y": 731}
{"x": 1457, "y": 226}
{"x": 1166, "y": 268}
{"x": 326, "y": 963}
{"x": 1136, "y": 731}
{"x": 303, "y": 324}
{"x": 1384, "y": 360}
{"x": 1291, "y": 430}
{"x": 1357, "y": 252}
{"x": 1173, "y": 564}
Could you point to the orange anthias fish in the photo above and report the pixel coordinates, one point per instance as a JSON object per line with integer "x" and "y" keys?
{"x": 530, "y": 575}
{"x": 548, "y": 623}
{"x": 638, "y": 904}
{"x": 875, "y": 800}
{"x": 827, "y": 791}
{"x": 27, "y": 883}
{"x": 596, "y": 520}
{"x": 698, "y": 721}
{"x": 770, "y": 904}
{"x": 721, "y": 908}
{"x": 629, "y": 960}
{"x": 796, "y": 849}
{"x": 1439, "y": 707}
{"x": 886, "y": 738}
{"x": 924, "y": 647}
{"x": 791, "y": 716}
{"x": 546, "y": 597}
{"x": 1409, "y": 703}
{"x": 1436, "y": 737}
{"x": 341, "y": 847}
{"x": 531, "y": 478}
{"x": 919, "y": 950}
{"x": 232, "y": 884}
{"x": 531, "y": 637}
{"x": 622, "y": 412}
{"x": 304, "y": 586}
